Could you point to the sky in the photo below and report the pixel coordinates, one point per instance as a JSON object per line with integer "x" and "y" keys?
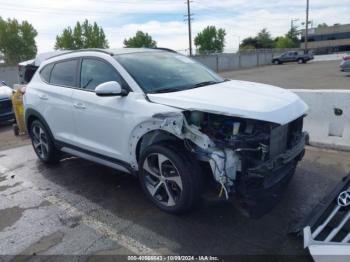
{"x": 164, "y": 19}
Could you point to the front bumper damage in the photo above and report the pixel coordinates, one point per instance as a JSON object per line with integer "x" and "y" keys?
{"x": 326, "y": 229}
{"x": 252, "y": 173}
{"x": 260, "y": 189}
{"x": 257, "y": 190}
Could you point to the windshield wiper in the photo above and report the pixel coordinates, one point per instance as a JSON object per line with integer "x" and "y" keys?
{"x": 169, "y": 90}
{"x": 205, "y": 83}
{"x": 165, "y": 90}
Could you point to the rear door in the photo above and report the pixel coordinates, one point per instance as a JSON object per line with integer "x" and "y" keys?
{"x": 56, "y": 97}
{"x": 295, "y": 56}
{"x": 99, "y": 121}
{"x": 290, "y": 56}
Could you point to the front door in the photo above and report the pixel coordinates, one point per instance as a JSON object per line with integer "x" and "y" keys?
{"x": 99, "y": 121}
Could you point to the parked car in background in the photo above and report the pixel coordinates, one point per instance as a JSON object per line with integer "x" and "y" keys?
{"x": 292, "y": 56}
{"x": 173, "y": 123}
{"x": 6, "y": 111}
{"x": 345, "y": 64}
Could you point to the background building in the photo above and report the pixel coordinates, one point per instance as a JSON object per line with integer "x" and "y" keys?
{"x": 328, "y": 39}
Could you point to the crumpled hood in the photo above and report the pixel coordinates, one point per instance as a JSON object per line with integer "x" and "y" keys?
{"x": 5, "y": 92}
{"x": 240, "y": 99}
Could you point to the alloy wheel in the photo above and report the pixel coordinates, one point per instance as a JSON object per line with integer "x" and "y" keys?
{"x": 162, "y": 179}
{"x": 40, "y": 141}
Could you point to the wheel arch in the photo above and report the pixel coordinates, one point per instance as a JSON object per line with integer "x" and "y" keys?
{"x": 160, "y": 127}
{"x": 154, "y": 137}
{"x": 32, "y": 115}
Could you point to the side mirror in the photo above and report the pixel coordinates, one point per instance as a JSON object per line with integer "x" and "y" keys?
{"x": 111, "y": 88}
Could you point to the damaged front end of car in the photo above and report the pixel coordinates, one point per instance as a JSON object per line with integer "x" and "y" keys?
{"x": 251, "y": 160}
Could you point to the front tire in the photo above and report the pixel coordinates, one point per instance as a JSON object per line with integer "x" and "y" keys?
{"x": 169, "y": 177}
{"x": 43, "y": 144}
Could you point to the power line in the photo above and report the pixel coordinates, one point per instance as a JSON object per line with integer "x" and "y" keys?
{"x": 53, "y": 10}
{"x": 68, "y": 10}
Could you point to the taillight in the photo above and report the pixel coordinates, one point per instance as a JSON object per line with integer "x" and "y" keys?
{"x": 346, "y": 58}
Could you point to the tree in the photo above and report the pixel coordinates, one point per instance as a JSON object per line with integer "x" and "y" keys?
{"x": 210, "y": 40}
{"x": 293, "y": 34}
{"x": 17, "y": 41}
{"x": 262, "y": 40}
{"x": 141, "y": 39}
{"x": 322, "y": 25}
{"x": 248, "y": 43}
{"x": 285, "y": 42}
{"x": 82, "y": 36}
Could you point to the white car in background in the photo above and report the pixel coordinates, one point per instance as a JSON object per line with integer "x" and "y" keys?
{"x": 345, "y": 64}
{"x": 6, "y": 111}
{"x": 176, "y": 125}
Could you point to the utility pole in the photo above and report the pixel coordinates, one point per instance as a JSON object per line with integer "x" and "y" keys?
{"x": 306, "y": 25}
{"x": 189, "y": 25}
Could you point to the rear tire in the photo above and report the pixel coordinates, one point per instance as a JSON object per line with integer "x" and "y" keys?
{"x": 170, "y": 177}
{"x": 43, "y": 144}
{"x": 301, "y": 61}
{"x": 15, "y": 129}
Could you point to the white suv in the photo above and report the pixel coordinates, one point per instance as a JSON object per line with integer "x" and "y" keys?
{"x": 161, "y": 116}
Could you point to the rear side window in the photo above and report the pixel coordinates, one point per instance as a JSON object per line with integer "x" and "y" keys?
{"x": 64, "y": 73}
{"x": 95, "y": 72}
{"x": 46, "y": 72}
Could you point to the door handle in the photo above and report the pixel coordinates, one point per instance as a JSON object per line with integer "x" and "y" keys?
{"x": 43, "y": 97}
{"x": 79, "y": 105}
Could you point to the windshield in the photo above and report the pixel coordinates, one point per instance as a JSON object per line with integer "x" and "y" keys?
{"x": 160, "y": 72}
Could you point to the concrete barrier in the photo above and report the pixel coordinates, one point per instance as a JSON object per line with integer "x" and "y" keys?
{"x": 328, "y": 120}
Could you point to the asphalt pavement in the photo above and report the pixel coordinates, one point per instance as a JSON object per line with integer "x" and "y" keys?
{"x": 313, "y": 75}
{"x": 81, "y": 208}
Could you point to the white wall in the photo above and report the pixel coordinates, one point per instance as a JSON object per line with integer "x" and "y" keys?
{"x": 327, "y": 129}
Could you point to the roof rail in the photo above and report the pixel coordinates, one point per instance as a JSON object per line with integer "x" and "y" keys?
{"x": 83, "y": 50}
{"x": 164, "y": 49}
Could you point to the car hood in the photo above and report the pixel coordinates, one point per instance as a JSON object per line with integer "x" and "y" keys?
{"x": 5, "y": 92}
{"x": 240, "y": 99}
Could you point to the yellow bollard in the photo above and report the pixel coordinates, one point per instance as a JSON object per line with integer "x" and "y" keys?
{"x": 17, "y": 103}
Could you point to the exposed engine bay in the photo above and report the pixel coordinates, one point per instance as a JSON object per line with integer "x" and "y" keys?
{"x": 249, "y": 158}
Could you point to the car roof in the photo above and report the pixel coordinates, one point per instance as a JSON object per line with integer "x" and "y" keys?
{"x": 116, "y": 51}
{"x": 111, "y": 52}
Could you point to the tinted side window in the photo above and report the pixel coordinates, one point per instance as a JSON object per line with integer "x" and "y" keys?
{"x": 46, "y": 72}
{"x": 95, "y": 72}
{"x": 64, "y": 73}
